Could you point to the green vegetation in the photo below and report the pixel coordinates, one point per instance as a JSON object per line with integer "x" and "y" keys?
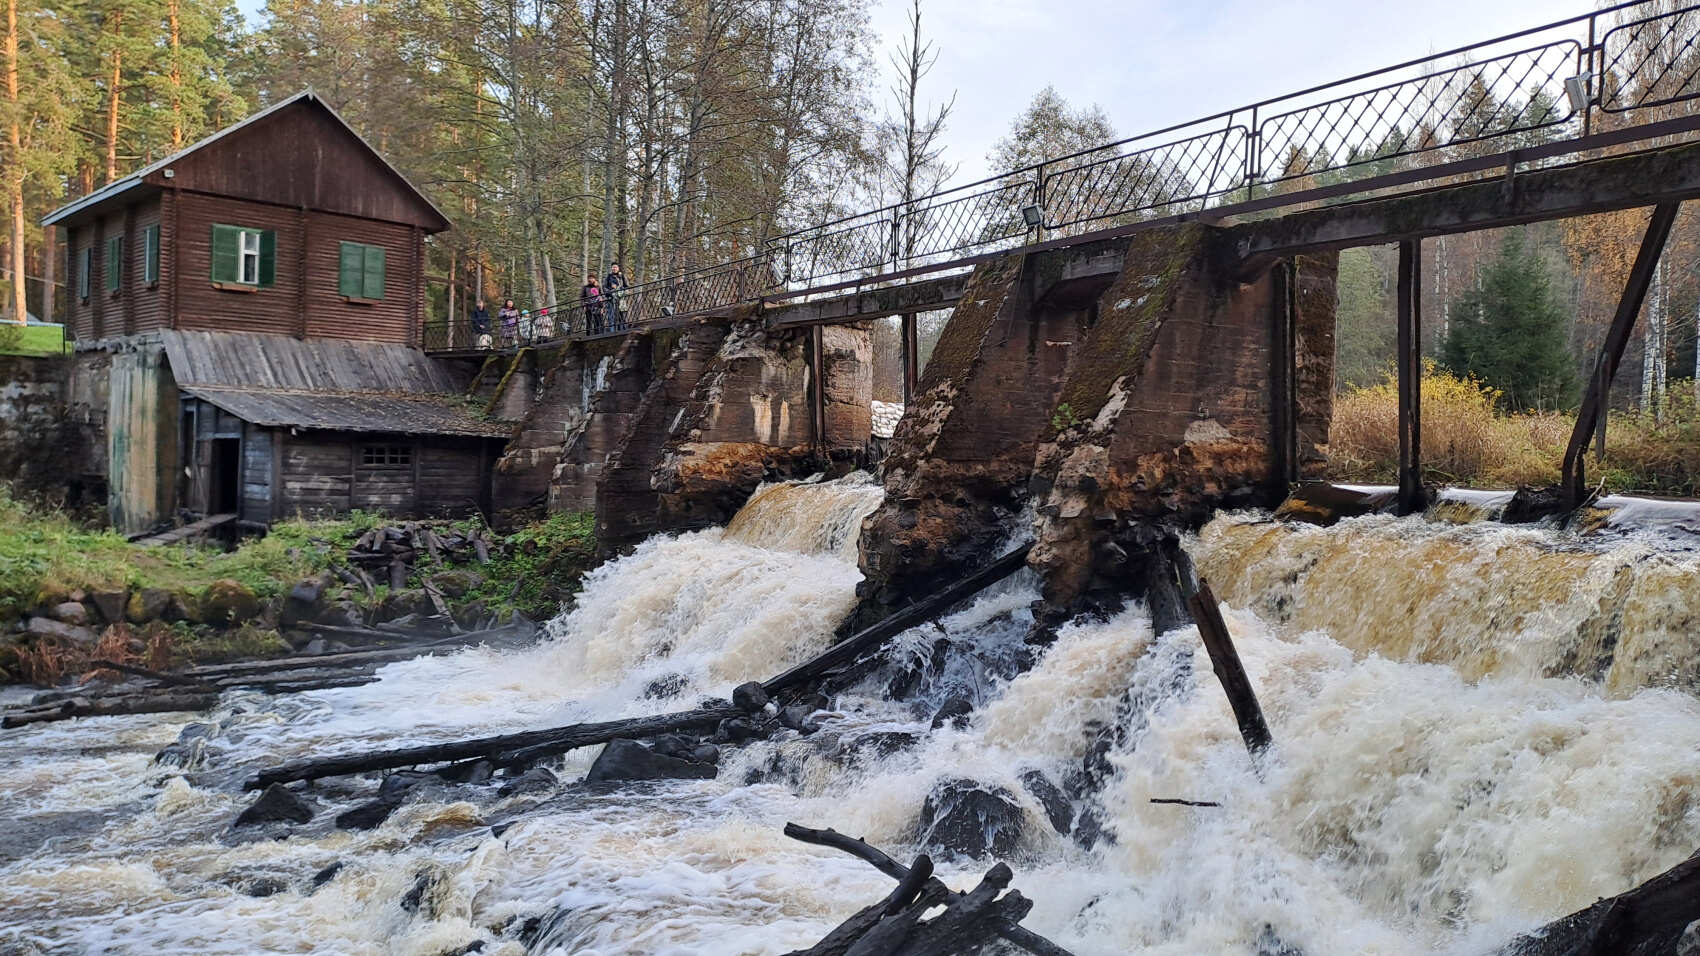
{"x": 1469, "y": 438}
{"x": 1511, "y": 332}
{"x": 31, "y": 339}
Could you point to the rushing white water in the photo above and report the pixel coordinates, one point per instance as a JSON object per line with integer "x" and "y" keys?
{"x": 1409, "y": 805}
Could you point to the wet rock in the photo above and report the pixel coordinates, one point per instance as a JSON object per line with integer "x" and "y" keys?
{"x": 71, "y": 612}
{"x": 110, "y": 605}
{"x": 969, "y": 818}
{"x": 46, "y": 627}
{"x": 1320, "y": 503}
{"x": 1688, "y": 944}
{"x": 1057, "y": 808}
{"x": 402, "y": 782}
{"x": 798, "y": 717}
{"x": 476, "y": 772}
{"x": 340, "y": 614}
{"x": 668, "y": 685}
{"x": 625, "y": 759}
{"x": 277, "y": 804}
{"x": 368, "y": 815}
{"x": 476, "y": 946}
{"x": 304, "y": 599}
{"x": 472, "y": 615}
{"x": 147, "y": 604}
{"x": 501, "y": 828}
{"x": 327, "y": 874}
{"x": 1532, "y": 504}
{"x": 455, "y": 584}
{"x": 685, "y": 747}
{"x": 259, "y": 886}
{"x": 955, "y": 711}
{"x": 813, "y": 700}
{"x": 735, "y": 730}
{"x": 422, "y": 897}
{"x": 316, "y": 646}
{"x": 749, "y": 697}
{"x": 1089, "y": 829}
{"x": 535, "y": 780}
{"x": 228, "y": 601}
{"x": 877, "y": 744}
{"x": 407, "y": 601}
{"x": 1270, "y": 943}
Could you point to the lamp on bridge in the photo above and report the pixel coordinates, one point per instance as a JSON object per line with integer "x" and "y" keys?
{"x": 1032, "y": 215}
{"x": 1576, "y": 90}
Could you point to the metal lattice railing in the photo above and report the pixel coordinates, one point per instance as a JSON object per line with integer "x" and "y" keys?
{"x": 1627, "y": 66}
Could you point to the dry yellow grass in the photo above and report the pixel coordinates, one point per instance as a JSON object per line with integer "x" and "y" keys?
{"x": 1468, "y": 440}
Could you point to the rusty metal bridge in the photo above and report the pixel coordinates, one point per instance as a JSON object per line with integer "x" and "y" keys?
{"x": 1545, "y": 103}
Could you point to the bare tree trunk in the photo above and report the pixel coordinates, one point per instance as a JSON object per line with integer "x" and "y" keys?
{"x": 112, "y": 98}
{"x": 176, "y": 77}
{"x": 49, "y": 265}
{"x": 15, "y": 166}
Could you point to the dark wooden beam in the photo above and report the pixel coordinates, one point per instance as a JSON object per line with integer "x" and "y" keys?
{"x": 922, "y": 296}
{"x": 1284, "y": 396}
{"x": 817, "y": 385}
{"x": 911, "y": 358}
{"x": 1599, "y": 185}
{"x": 1411, "y": 497}
{"x": 1611, "y": 350}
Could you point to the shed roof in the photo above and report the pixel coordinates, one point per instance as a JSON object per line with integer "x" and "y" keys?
{"x": 351, "y": 411}
{"x": 278, "y": 381}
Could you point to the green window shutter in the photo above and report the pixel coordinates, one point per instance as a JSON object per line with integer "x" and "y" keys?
{"x": 351, "y": 269}
{"x": 372, "y": 285}
{"x": 268, "y": 258}
{"x": 85, "y": 264}
{"x": 150, "y": 253}
{"x": 114, "y": 262}
{"x": 226, "y": 254}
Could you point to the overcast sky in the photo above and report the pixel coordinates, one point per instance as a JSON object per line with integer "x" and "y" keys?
{"x": 1151, "y": 63}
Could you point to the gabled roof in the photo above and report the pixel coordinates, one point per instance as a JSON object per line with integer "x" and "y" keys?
{"x": 141, "y": 176}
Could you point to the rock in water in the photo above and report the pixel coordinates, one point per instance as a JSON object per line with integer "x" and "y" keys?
{"x": 629, "y": 760}
{"x": 969, "y": 818}
{"x": 956, "y": 711}
{"x": 532, "y": 781}
{"x": 1050, "y": 796}
{"x": 749, "y": 697}
{"x": 276, "y": 805}
{"x": 368, "y": 815}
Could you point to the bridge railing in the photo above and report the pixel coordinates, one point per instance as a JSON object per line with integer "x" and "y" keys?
{"x": 1621, "y": 67}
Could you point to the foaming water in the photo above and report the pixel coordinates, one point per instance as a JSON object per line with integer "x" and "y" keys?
{"x": 1488, "y": 599}
{"x": 1424, "y": 794}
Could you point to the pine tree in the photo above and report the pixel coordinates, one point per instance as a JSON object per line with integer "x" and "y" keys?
{"x": 1510, "y": 332}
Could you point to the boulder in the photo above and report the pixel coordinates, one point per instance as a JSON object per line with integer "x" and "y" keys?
{"x": 625, "y": 759}
{"x": 408, "y": 601}
{"x": 45, "y": 627}
{"x": 70, "y": 612}
{"x": 535, "y": 780}
{"x": 340, "y": 614}
{"x": 148, "y": 604}
{"x": 735, "y": 730}
{"x": 877, "y": 744}
{"x": 798, "y": 717}
{"x": 455, "y": 584}
{"x": 749, "y": 697}
{"x": 183, "y": 606}
{"x": 667, "y": 685}
{"x": 227, "y": 601}
{"x": 1050, "y": 796}
{"x": 110, "y": 604}
{"x": 368, "y": 815}
{"x": 955, "y": 711}
{"x": 969, "y": 818}
{"x": 277, "y": 804}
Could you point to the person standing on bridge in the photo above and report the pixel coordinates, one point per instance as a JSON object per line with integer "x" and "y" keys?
{"x": 590, "y": 300}
{"x": 508, "y": 316}
{"x": 480, "y": 322}
{"x": 611, "y": 289}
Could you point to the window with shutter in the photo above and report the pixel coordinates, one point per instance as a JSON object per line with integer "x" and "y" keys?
{"x": 150, "y": 254}
{"x": 244, "y": 256}
{"x": 114, "y": 261}
{"x": 360, "y": 272}
{"x": 85, "y": 265}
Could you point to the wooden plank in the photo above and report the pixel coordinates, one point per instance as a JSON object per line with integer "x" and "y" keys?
{"x": 1410, "y": 372}
{"x": 193, "y": 530}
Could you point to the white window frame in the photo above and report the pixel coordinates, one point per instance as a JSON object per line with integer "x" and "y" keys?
{"x": 248, "y": 257}
{"x": 150, "y": 254}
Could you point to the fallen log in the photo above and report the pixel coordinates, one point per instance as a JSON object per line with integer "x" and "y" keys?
{"x": 1644, "y": 921}
{"x": 502, "y": 750}
{"x": 163, "y": 678}
{"x": 854, "y": 646}
{"x": 379, "y": 655}
{"x": 84, "y": 707}
{"x": 933, "y": 889}
{"x": 1225, "y": 661}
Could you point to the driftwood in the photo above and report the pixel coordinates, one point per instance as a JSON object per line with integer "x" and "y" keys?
{"x": 163, "y": 678}
{"x": 1000, "y": 921}
{"x": 1225, "y": 661}
{"x": 503, "y": 750}
{"x": 178, "y": 700}
{"x": 1644, "y": 921}
{"x": 854, "y": 646}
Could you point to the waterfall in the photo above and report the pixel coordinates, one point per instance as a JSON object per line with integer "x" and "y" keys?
{"x": 1477, "y": 729}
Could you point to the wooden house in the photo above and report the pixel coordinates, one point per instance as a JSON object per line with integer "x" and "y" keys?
{"x": 252, "y": 307}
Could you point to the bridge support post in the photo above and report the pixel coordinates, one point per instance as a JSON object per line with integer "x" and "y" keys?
{"x": 1592, "y": 412}
{"x": 1284, "y": 406}
{"x": 911, "y": 358}
{"x": 817, "y": 386}
{"x": 1411, "y": 495}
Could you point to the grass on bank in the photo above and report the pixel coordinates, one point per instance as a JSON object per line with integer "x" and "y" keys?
{"x": 31, "y": 339}
{"x": 1469, "y": 440}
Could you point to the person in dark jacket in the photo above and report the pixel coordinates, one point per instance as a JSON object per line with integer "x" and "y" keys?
{"x": 590, "y": 299}
{"x": 480, "y": 322}
{"x": 611, "y": 289}
{"x": 508, "y": 316}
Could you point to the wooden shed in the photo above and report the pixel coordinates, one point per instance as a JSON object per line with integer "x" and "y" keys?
{"x": 273, "y": 426}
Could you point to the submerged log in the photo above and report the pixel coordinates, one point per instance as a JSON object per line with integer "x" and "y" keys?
{"x": 1644, "y": 921}
{"x": 854, "y": 646}
{"x": 502, "y": 750}
{"x": 178, "y": 700}
{"x": 933, "y": 892}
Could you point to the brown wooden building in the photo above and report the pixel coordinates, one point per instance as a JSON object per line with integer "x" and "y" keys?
{"x": 253, "y": 307}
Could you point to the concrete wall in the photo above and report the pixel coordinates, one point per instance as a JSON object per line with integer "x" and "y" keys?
{"x": 44, "y": 447}
{"x": 141, "y": 438}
